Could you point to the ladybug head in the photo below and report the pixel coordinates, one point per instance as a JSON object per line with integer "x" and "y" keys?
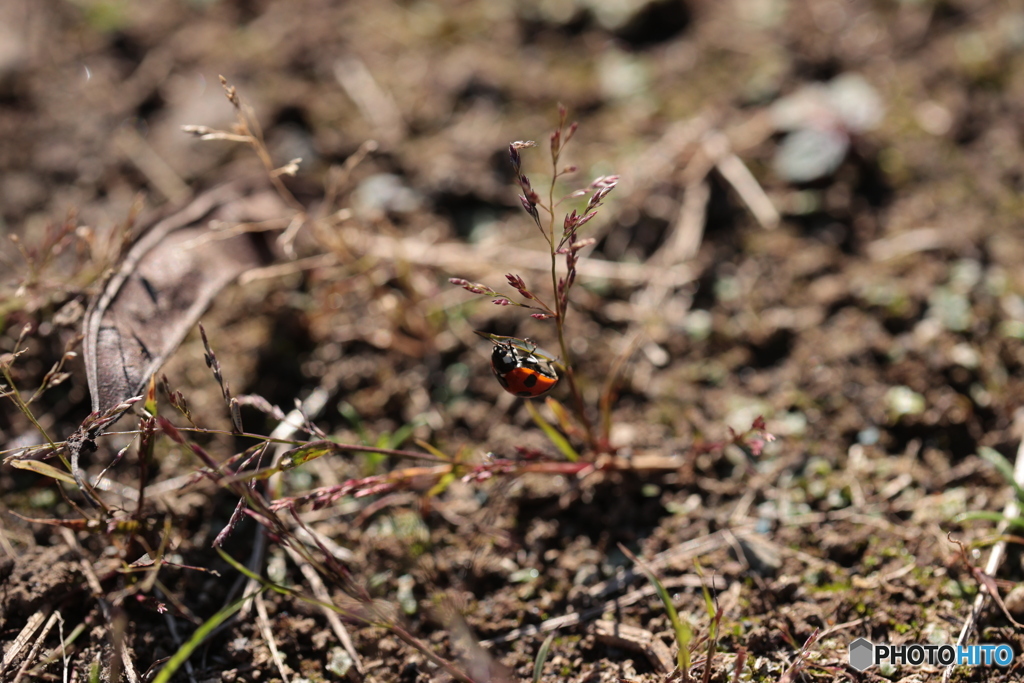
{"x": 504, "y": 358}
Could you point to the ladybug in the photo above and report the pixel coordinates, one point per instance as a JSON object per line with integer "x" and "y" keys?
{"x": 525, "y": 372}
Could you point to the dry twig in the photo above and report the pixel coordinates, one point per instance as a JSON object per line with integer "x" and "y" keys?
{"x": 268, "y": 635}
{"x": 635, "y": 639}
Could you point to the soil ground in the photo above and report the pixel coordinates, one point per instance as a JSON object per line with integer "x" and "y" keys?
{"x": 877, "y": 328}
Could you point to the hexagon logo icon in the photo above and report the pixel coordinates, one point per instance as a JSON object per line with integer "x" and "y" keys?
{"x": 862, "y": 654}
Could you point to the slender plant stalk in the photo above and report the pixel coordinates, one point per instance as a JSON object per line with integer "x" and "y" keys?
{"x": 561, "y": 302}
{"x": 565, "y": 244}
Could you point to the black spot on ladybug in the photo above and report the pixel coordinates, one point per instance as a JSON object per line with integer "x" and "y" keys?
{"x": 524, "y": 394}
{"x": 530, "y": 381}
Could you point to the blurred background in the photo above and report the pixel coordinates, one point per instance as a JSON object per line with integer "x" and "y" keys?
{"x": 818, "y": 221}
{"x": 846, "y": 169}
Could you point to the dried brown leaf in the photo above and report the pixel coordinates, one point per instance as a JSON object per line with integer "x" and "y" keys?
{"x": 164, "y": 283}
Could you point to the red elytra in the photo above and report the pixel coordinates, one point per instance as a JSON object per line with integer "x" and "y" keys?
{"x": 522, "y": 372}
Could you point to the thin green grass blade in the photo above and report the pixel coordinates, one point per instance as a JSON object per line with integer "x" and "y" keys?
{"x": 989, "y": 516}
{"x": 684, "y": 635}
{"x": 542, "y": 656}
{"x": 554, "y": 436}
{"x": 709, "y": 601}
{"x": 242, "y": 569}
{"x": 201, "y": 633}
{"x": 401, "y": 435}
{"x": 996, "y": 459}
{"x": 561, "y": 415}
{"x": 442, "y": 484}
{"x": 436, "y": 452}
{"x": 715, "y": 622}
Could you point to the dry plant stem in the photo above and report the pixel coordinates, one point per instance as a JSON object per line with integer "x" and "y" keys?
{"x": 907, "y": 243}
{"x": 62, "y": 649}
{"x": 58, "y": 367}
{"x": 331, "y": 567}
{"x": 37, "y": 645}
{"x": 156, "y": 169}
{"x": 287, "y": 428}
{"x": 561, "y": 302}
{"x": 24, "y": 637}
{"x": 252, "y": 133}
{"x": 355, "y": 448}
{"x": 426, "y": 650}
{"x": 15, "y": 396}
{"x": 608, "y": 392}
{"x": 120, "y": 647}
{"x": 734, "y": 171}
{"x": 375, "y": 104}
{"x": 268, "y": 635}
{"x": 1011, "y": 511}
{"x": 324, "y": 596}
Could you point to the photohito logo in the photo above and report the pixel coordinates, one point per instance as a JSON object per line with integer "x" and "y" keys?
{"x": 864, "y": 653}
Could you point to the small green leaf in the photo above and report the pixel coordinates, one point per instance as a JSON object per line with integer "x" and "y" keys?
{"x": 561, "y": 414}
{"x": 436, "y": 452}
{"x": 303, "y": 454}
